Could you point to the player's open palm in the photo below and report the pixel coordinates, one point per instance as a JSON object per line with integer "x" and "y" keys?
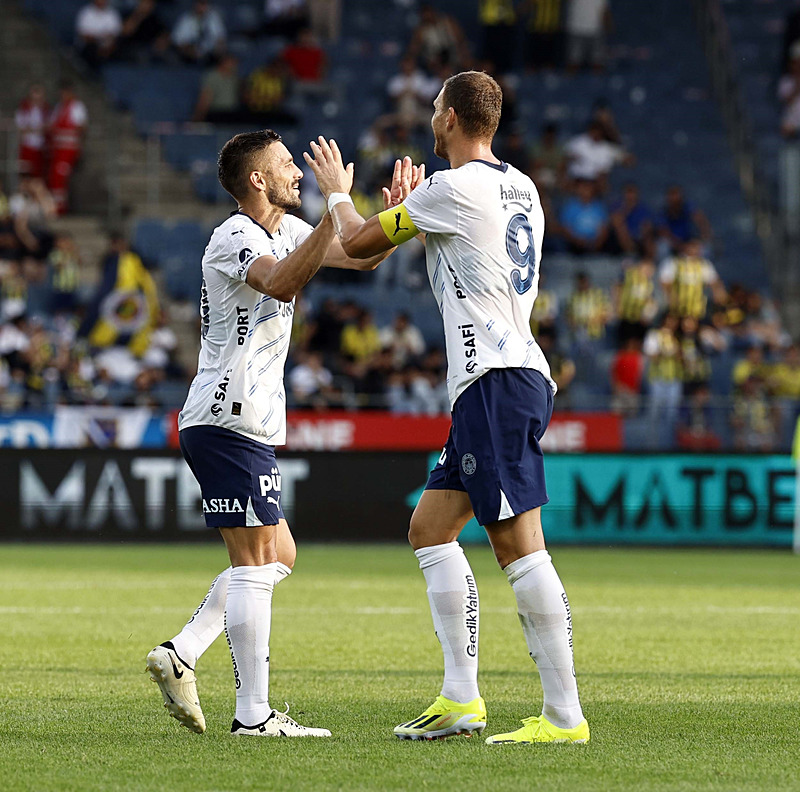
{"x": 405, "y": 178}
{"x": 326, "y": 163}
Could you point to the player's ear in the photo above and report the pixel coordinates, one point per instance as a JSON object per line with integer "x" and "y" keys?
{"x": 451, "y": 117}
{"x": 259, "y": 180}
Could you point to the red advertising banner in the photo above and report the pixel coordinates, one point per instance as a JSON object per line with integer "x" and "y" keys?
{"x": 339, "y": 430}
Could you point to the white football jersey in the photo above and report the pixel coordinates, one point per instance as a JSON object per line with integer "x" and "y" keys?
{"x": 244, "y": 334}
{"x": 485, "y": 226}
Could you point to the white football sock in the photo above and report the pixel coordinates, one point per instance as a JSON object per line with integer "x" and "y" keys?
{"x": 208, "y": 621}
{"x": 547, "y": 623}
{"x": 248, "y": 615}
{"x": 453, "y": 597}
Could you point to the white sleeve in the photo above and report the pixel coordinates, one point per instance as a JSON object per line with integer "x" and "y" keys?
{"x": 432, "y": 206}
{"x": 240, "y": 245}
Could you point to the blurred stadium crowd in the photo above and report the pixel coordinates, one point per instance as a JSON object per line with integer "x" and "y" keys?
{"x": 652, "y": 302}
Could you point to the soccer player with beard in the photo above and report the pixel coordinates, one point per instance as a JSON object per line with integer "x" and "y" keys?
{"x": 235, "y": 414}
{"x": 484, "y": 226}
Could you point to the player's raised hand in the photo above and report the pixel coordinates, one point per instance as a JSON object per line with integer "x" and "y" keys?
{"x": 326, "y": 163}
{"x": 405, "y": 178}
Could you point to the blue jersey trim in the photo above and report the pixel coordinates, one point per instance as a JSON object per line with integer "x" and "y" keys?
{"x": 244, "y": 214}
{"x": 502, "y": 167}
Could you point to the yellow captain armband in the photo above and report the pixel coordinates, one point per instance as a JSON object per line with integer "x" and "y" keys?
{"x": 397, "y": 225}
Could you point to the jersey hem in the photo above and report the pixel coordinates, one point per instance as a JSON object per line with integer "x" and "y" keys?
{"x": 257, "y": 438}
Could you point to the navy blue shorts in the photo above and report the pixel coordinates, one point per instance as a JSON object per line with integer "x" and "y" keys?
{"x": 492, "y": 451}
{"x": 239, "y": 478}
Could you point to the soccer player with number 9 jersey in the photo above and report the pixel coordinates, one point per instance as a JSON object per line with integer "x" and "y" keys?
{"x": 483, "y": 226}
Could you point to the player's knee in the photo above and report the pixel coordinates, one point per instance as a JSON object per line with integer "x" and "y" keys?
{"x": 416, "y": 531}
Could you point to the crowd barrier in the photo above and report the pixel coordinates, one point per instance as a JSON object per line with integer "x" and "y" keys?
{"x": 600, "y": 499}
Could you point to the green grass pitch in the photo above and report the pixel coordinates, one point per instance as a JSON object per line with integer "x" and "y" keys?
{"x": 688, "y": 665}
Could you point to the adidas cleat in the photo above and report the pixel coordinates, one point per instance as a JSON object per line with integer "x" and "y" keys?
{"x": 540, "y": 730}
{"x": 443, "y": 718}
{"x": 178, "y": 686}
{"x": 278, "y": 724}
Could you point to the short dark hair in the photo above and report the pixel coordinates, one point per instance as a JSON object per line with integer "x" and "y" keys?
{"x": 478, "y": 101}
{"x": 237, "y": 159}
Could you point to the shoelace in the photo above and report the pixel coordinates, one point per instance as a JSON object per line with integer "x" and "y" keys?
{"x": 283, "y": 717}
{"x": 535, "y": 720}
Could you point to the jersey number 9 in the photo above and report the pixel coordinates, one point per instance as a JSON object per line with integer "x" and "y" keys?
{"x": 522, "y": 259}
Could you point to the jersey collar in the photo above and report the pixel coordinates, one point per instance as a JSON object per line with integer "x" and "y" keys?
{"x": 244, "y": 214}
{"x": 502, "y": 167}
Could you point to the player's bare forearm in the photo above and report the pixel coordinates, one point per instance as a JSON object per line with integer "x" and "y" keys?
{"x": 340, "y": 260}
{"x": 360, "y": 239}
{"x": 284, "y": 278}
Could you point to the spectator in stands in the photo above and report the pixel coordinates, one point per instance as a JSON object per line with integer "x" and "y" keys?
{"x": 361, "y": 339}
{"x": 438, "y": 42}
{"x": 199, "y": 35}
{"x": 591, "y": 156}
{"x": 663, "y": 352}
{"x": 311, "y": 384}
{"x": 627, "y": 375}
{"x": 789, "y": 93}
{"x": 635, "y": 301}
{"x": 785, "y": 375}
{"x": 562, "y": 369}
{"x": 98, "y": 27}
{"x": 32, "y": 208}
{"x": 603, "y": 115}
{"x": 762, "y": 323}
{"x": 10, "y": 248}
{"x": 784, "y": 384}
{"x": 685, "y": 278}
{"x": 265, "y": 93}
{"x": 695, "y": 366}
{"x": 632, "y": 224}
{"x": 679, "y": 222}
{"x": 498, "y": 19}
{"x": 587, "y": 24}
{"x": 66, "y": 127}
{"x": 545, "y": 310}
{"x": 753, "y": 419}
{"x": 411, "y": 92}
{"x": 588, "y": 312}
{"x": 124, "y": 309}
{"x": 380, "y": 146}
{"x": 144, "y": 35}
{"x": 403, "y": 339}
{"x": 219, "y": 100}
{"x": 543, "y": 33}
{"x": 64, "y": 267}
{"x": 325, "y": 331}
{"x": 549, "y": 160}
{"x": 695, "y": 430}
{"x": 306, "y": 59}
{"x": 285, "y": 18}
{"x": 513, "y": 149}
{"x": 30, "y": 120}
{"x": 584, "y": 220}
{"x": 753, "y": 364}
